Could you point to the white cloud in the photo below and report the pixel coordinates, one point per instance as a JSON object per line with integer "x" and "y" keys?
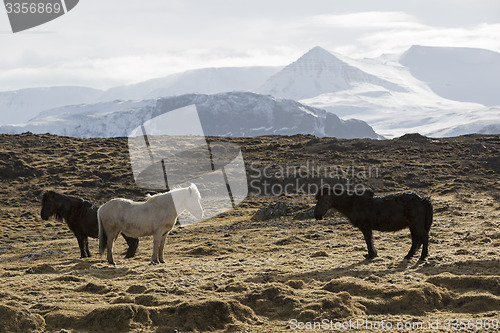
{"x": 103, "y": 73}
{"x": 106, "y": 47}
{"x": 368, "y": 20}
{"x": 480, "y": 36}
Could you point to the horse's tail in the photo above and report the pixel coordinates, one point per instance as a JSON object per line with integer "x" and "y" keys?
{"x": 102, "y": 233}
{"x": 429, "y": 212}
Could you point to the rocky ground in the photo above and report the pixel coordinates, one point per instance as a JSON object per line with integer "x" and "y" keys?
{"x": 266, "y": 266}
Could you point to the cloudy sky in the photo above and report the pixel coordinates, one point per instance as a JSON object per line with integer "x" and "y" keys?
{"x": 104, "y": 43}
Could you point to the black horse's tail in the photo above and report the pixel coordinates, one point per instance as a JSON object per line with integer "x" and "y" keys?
{"x": 429, "y": 212}
{"x": 103, "y": 239}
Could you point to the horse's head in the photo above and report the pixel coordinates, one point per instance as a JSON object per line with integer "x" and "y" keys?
{"x": 329, "y": 197}
{"x": 193, "y": 204}
{"x": 49, "y": 205}
{"x": 324, "y": 202}
{"x": 339, "y": 196}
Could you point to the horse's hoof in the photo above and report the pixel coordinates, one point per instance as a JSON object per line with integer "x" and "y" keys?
{"x": 112, "y": 263}
{"x": 370, "y": 256}
{"x": 154, "y": 263}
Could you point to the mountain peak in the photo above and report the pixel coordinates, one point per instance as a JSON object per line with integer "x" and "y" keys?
{"x": 318, "y": 50}
{"x": 319, "y": 55}
{"x": 317, "y": 72}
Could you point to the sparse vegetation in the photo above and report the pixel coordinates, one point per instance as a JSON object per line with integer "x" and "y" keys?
{"x": 238, "y": 273}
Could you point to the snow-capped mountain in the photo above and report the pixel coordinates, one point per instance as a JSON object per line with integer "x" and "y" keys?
{"x": 460, "y": 74}
{"x": 393, "y": 114}
{"x": 418, "y": 108}
{"x": 394, "y": 94}
{"x": 224, "y": 114}
{"x": 21, "y": 105}
{"x": 317, "y": 72}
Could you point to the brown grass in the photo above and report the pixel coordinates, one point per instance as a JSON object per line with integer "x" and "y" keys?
{"x": 237, "y": 273}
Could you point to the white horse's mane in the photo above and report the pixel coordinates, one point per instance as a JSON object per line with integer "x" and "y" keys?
{"x": 175, "y": 189}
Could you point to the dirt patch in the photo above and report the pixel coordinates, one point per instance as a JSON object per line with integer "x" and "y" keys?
{"x": 461, "y": 284}
{"x": 68, "y": 278}
{"x": 414, "y": 301}
{"x": 63, "y": 319}
{"x": 289, "y": 240}
{"x": 116, "y": 318}
{"x": 16, "y": 318}
{"x": 295, "y": 284}
{"x": 136, "y": 289}
{"x": 338, "y": 306}
{"x": 147, "y": 300}
{"x": 207, "y": 250}
{"x": 319, "y": 254}
{"x": 202, "y": 316}
{"x": 94, "y": 288}
{"x": 274, "y": 301}
{"x": 359, "y": 287}
{"x": 41, "y": 269}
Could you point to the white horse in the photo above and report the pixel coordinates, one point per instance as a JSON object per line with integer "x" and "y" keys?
{"x": 156, "y": 216}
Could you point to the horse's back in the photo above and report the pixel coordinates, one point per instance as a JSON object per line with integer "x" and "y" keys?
{"x": 134, "y": 219}
{"x": 386, "y": 213}
{"x": 117, "y": 203}
{"x": 406, "y": 209}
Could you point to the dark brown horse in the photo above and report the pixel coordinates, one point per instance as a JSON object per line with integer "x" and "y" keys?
{"x": 81, "y": 217}
{"x": 369, "y": 212}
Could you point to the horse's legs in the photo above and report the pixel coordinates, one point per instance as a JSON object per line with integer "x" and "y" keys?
{"x": 86, "y": 243}
{"x": 372, "y": 253}
{"x": 157, "y": 238}
{"x": 162, "y": 245}
{"x": 81, "y": 244}
{"x": 415, "y": 242}
{"x": 425, "y": 246}
{"x": 111, "y": 239}
{"x": 132, "y": 245}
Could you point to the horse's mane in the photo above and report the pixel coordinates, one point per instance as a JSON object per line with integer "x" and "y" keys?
{"x": 172, "y": 191}
{"x": 79, "y": 205}
{"x": 63, "y": 195}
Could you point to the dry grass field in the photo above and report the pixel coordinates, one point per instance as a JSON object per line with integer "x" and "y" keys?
{"x": 279, "y": 270}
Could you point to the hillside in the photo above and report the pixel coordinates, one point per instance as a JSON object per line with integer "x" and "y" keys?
{"x": 259, "y": 266}
{"x": 434, "y": 91}
{"x": 224, "y": 114}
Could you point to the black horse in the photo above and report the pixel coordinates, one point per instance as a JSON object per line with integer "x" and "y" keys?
{"x": 390, "y": 213}
{"x": 81, "y": 217}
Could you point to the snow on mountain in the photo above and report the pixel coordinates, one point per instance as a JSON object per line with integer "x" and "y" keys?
{"x": 393, "y": 114}
{"x": 107, "y": 119}
{"x": 21, "y": 105}
{"x": 393, "y": 94}
{"x": 205, "y": 80}
{"x": 460, "y": 74}
{"x": 224, "y": 114}
{"x": 317, "y": 72}
{"x": 416, "y": 109}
